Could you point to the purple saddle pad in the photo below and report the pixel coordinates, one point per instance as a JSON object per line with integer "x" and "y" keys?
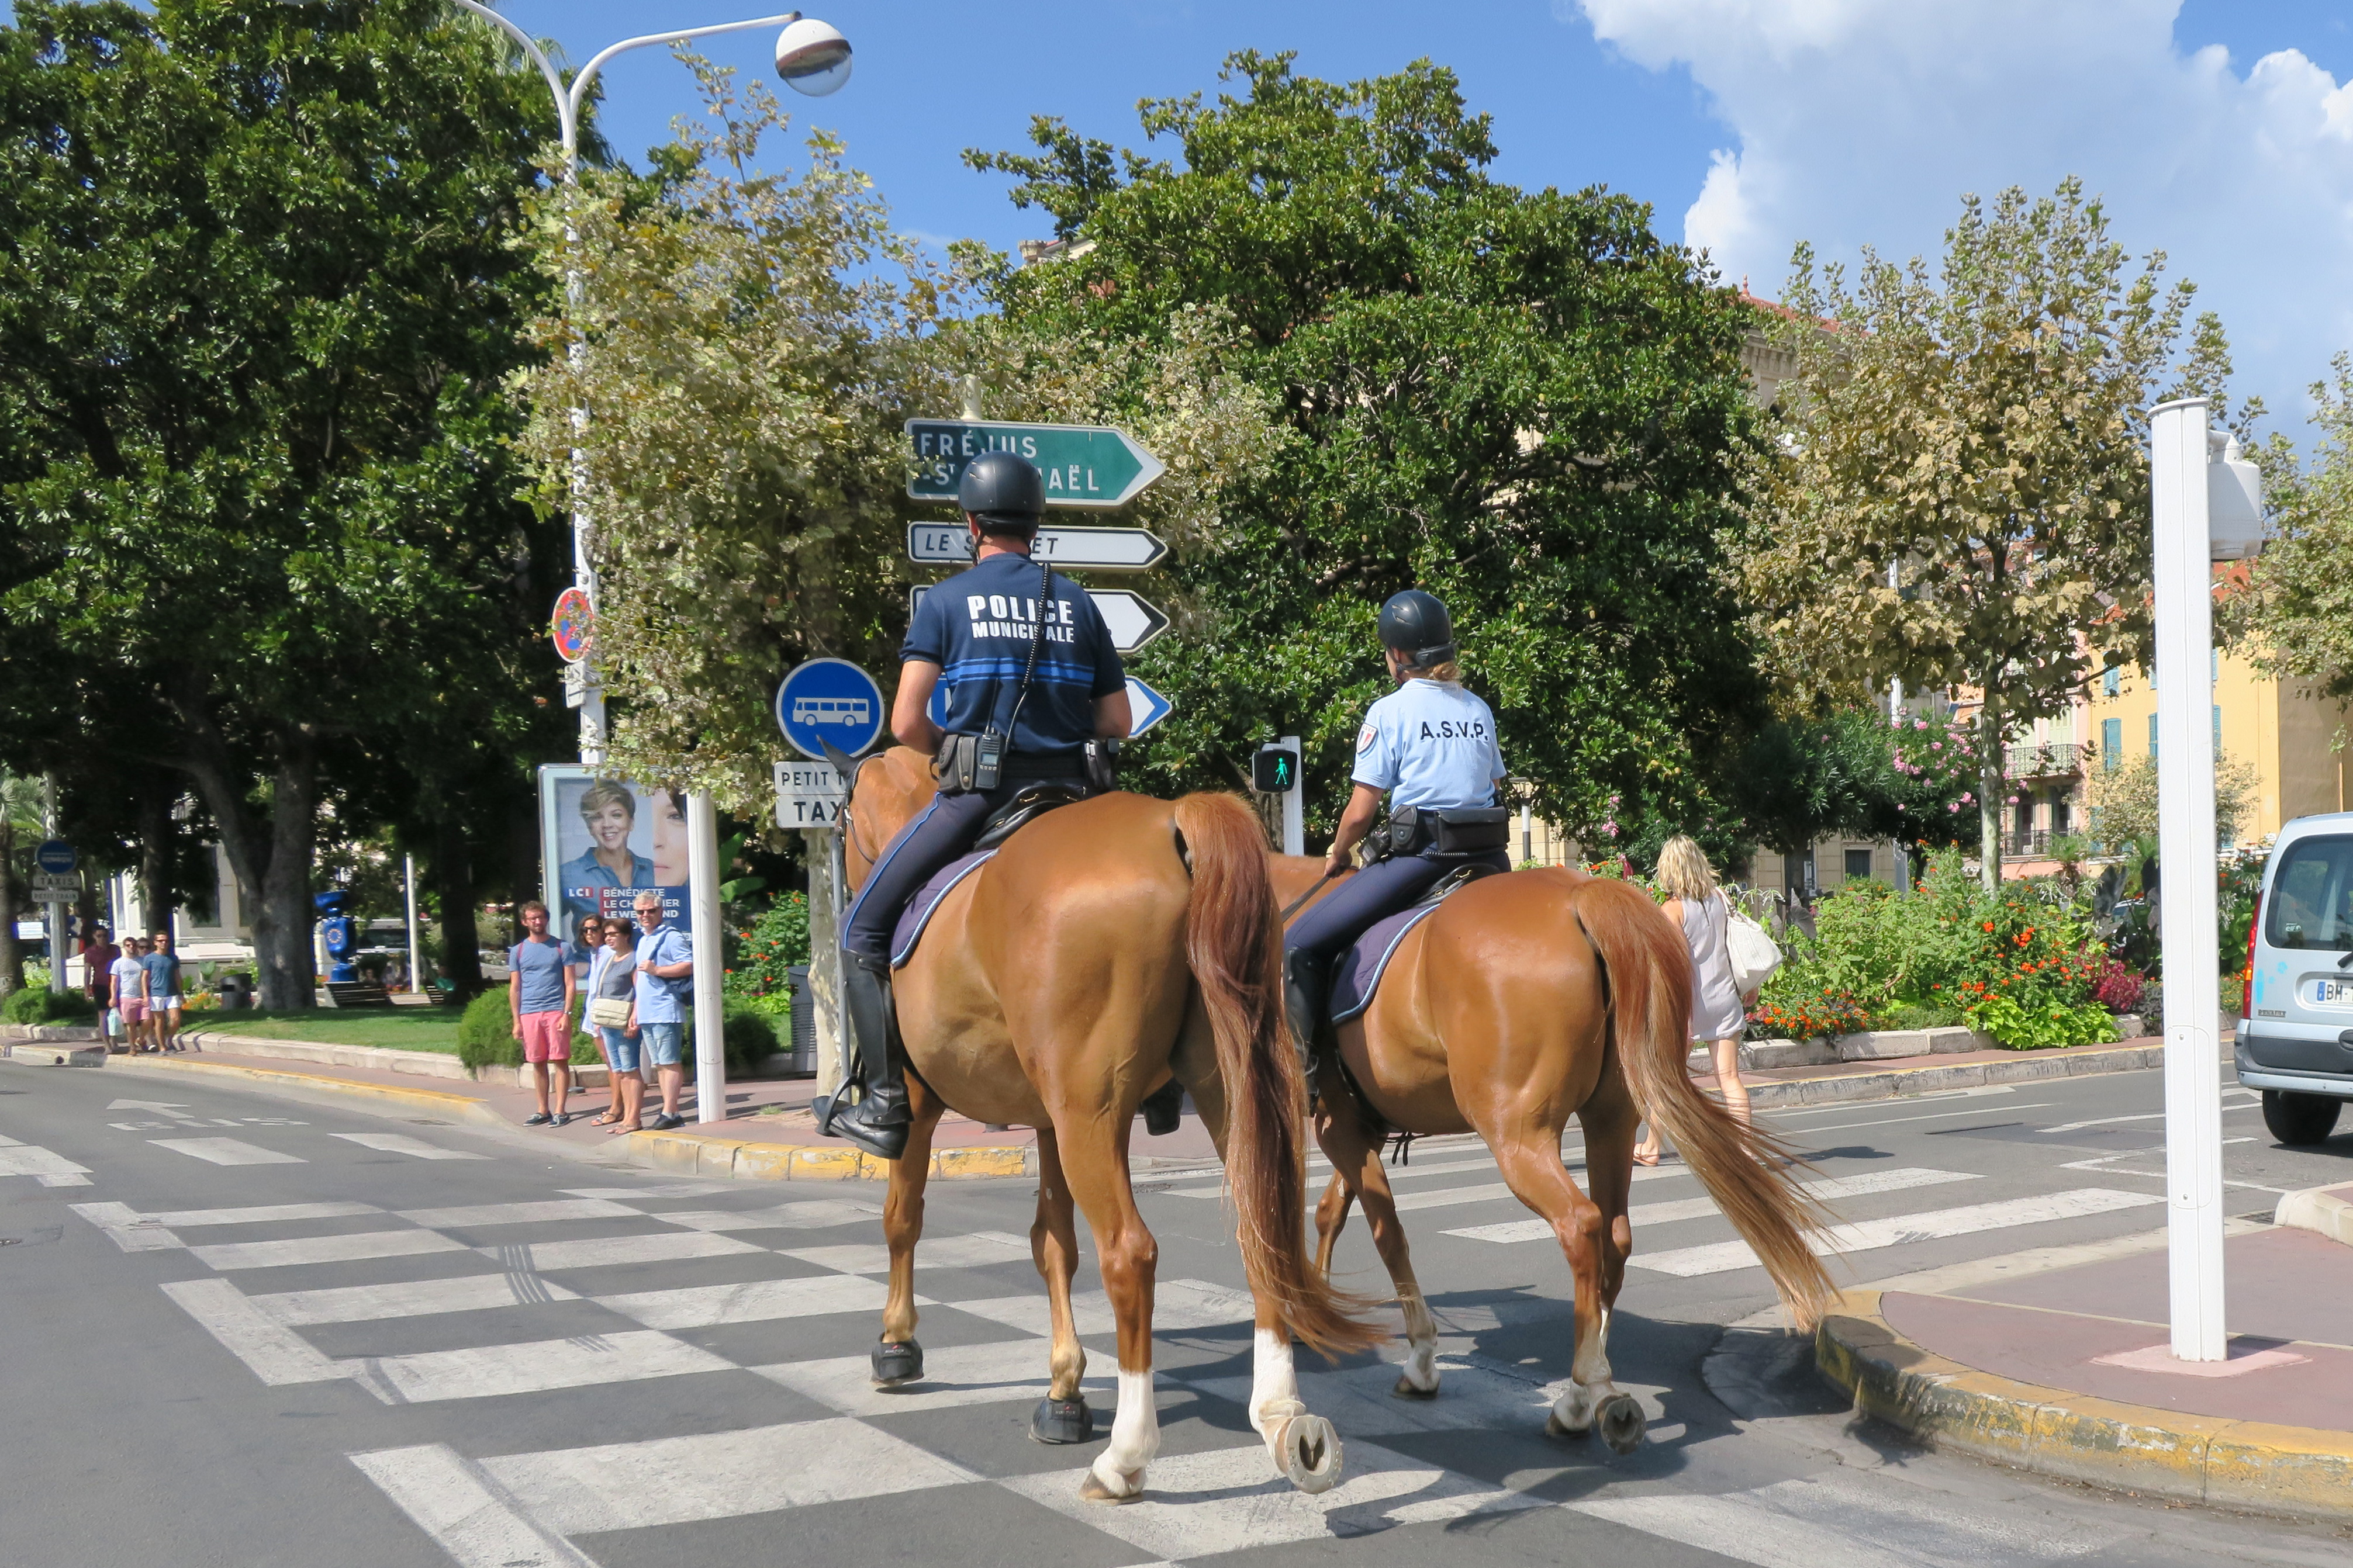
{"x": 1359, "y": 973}
{"x": 918, "y": 912}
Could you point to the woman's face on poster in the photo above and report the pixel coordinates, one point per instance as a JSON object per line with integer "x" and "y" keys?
{"x": 609, "y": 824}
{"x": 669, "y": 840}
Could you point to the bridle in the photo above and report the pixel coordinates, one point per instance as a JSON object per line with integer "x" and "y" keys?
{"x": 850, "y": 816}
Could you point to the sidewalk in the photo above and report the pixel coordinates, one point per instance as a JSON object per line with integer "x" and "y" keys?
{"x": 2067, "y": 1372}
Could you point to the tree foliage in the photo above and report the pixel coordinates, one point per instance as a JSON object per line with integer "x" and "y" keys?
{"x": 2296, "y": 613}
{"x": 1983, "y": 429}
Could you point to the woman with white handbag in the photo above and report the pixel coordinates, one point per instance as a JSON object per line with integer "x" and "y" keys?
{"x": 612, "y": 988}
{"x": 1720, "y": 993}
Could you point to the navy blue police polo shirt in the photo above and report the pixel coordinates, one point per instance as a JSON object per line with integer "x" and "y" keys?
{"x": 978, "y": 627}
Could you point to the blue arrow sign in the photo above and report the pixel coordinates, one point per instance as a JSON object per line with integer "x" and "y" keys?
{"x": 829, "y": 701}
{"x": 57, "y": 855}
{"x": 1147, "y": 706}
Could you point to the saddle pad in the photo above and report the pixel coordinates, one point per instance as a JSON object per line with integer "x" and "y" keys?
{"x": 1359, "y": 973}
{"x": 918, "y": 912}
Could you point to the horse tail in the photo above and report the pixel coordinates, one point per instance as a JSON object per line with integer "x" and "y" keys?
{"x": 1744, "y": 1168}
{"x": 1234, "y": 944}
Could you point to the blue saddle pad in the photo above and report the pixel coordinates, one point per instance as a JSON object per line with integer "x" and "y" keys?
{"x": 1358, "y": 971}
{"x": 918, "y": 912}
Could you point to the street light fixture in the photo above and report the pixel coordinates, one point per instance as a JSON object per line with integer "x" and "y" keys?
{"x": 813, "y": 57}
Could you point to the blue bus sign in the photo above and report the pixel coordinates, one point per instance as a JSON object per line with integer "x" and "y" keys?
{"x": 830, "y": 702}
{"x": 55, "y": 856}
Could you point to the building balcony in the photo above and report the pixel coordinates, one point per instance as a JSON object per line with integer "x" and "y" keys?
{"x": 2042, "y": 761}
{"x": 2028, "y": 842}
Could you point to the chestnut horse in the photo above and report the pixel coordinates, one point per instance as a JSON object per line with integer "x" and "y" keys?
{"x": 1527, "y": 997}
{"x": 1109, "y": 945}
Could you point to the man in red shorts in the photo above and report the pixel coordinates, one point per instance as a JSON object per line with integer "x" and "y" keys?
{"x": 539, "y": 991}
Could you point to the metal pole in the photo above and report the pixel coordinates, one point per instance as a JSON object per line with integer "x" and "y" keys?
{"x": 415, "y": 963}
{"x": 2185, "y": 797}
{"x": 825, "y": 952}
{"x": 57, "y": 911}
{"x": 710, "y": 959}
{"x": 1294, "y": 815}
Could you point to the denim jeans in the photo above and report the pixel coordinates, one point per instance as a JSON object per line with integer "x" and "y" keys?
{"x": 661, "y": 1042}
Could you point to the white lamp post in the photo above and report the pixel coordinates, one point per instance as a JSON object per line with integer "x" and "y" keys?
{"x": 2207, "y": 507}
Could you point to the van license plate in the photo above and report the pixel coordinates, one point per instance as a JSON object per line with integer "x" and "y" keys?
{"x": 2339, "y": 992}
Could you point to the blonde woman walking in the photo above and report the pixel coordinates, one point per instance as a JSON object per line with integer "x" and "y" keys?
{"x": 1719, "y": 1013}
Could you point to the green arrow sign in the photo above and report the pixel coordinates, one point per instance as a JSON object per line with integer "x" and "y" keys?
{"x": 1084, "y": 464}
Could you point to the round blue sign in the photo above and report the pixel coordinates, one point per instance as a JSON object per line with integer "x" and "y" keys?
{"x": 830, "y": 702}
{"x": 55, "y": 856}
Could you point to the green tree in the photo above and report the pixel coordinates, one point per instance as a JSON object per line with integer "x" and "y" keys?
{"x": 20, "y": 823}
{"x": 2296, "y": 613}
{"x": 257, "y": 298}
{"x": 1522, "y": 401}
{"x": 1982, "y": 430}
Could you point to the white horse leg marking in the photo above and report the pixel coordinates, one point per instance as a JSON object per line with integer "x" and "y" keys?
{"x": 1274, "y": 1389}
{"x": 1420, "y": 1368}
{"x": 1593, "y": 1395}
{"x": 1135, "y": 1437}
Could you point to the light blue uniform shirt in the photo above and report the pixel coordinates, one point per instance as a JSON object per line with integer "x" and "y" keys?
{"x": 1432, "y": 746}
{"x": 658, "y": 1000}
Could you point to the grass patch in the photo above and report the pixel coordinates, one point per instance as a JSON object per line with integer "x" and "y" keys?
{"x": 394, "y": 1028}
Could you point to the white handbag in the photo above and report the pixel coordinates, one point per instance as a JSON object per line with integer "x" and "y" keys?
{"x": 1754, "y": 953}
{"x": 610, "y": 1012}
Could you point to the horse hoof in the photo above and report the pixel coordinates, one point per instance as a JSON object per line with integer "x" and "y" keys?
{"x": 1620, "y": 1422}
{"x": 897, "y": 1362}
{"x": 1552, "y": 1427}
{"x": 1093, "y": 1490}
{"x": 1405, "y": 1389}
{"x": 1310, "y": 1454}
{"x": 1061, "y": 1421}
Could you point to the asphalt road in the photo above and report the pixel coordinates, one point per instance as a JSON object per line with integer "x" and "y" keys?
{"x": 244, "y": 1331}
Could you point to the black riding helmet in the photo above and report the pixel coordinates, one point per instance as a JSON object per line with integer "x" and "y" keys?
{"x": 1416, "y": 625}
{"x": 1003, "y": 488}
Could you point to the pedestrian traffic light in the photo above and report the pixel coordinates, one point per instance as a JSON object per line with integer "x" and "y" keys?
{"x": 1274, "y": 770}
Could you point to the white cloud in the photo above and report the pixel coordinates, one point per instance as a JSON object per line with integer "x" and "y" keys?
{"x": 1862, "y": 121}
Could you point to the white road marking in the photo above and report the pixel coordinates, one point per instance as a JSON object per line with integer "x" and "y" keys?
{"x": 954, "y": 1376}
{"x": 227, "y": 1152}
{"x": 815, "y": 1215}
{"x": 1197, "y": 1505}
{"x": 599, "y": 1252}
{"x": 31, "y": 1160}
{"x": 1724, "y": 1256}
{"x": 1321, "y": 1170}
{"x": 413, "y": 1299}
{"x": 473, "y": 1216}
{"x": 1891, "y": 1121}
{"x": 2143, "y": 1116}
{"x": 652, "y": 1190}
{"x": 277, "y": 1354}
{"x": 1862, "y": 1186}
{"x": 968, "y": 1251}
{"x": 323, "y": 1250}
{"x": 402, "y": 1143}
{"x": 759, "y": 1301}
{"x": 262, "y": 1213}
{"x": 721, "y": 1475}
{"x": 56, "y": 1180}
{"x": 486, "y": 1372}
{"x": 453, "y": 1502}
{"x": 127, "y": 1228}
{"x": 1176, "y": 1305}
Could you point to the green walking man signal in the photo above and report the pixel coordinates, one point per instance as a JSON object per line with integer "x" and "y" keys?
{"x": 1274, "y": 770}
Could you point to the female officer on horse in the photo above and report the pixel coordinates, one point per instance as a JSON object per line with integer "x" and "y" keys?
{"x": 1431, "y": 747}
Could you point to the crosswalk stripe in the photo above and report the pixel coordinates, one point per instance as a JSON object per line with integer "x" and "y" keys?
{"x": 277, "y": 1355}
{"x": 411, "y": 1299}
{"x": 1868, "y": 1182}
{"x": 817, "y": 1214}
{"x": 227, "y": 1152}
{"x": 323, "y": 1250}
{"x": 954, "y": 1376}
{"x": 1870, "y": 1234}
{"x": 127, "y": 1228}
{"x": 262, "y": 1213}
{"x": 1739, "y": 1529}
{"x": 453, "y": 1503}
{"x": 757, "y": 1301}
{"x": 402, "y": 1143}
{"x": 720, "y": 1475}
{"x": 1176, "y": 1305}
{"x": 476, "y": 1214}
{"x": 485, "y": 1371}
{"x": 604, "y": 1251}
{"x": 1320, "y": 1173}
{"x": 32, "y": 1160}
{"x": 967, "y": 1251}
{"x": 652, "y": 1190}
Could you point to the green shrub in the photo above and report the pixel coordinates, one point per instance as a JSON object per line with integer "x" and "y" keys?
{"x": 486, "y": 1032}
{"x": 39, "y": 1005}
{"x": 751, "y": 1036}
{"x": 777, "y": 942}
{"x": 2045, "y": 1024}
{"x": 1922, "y": 1015}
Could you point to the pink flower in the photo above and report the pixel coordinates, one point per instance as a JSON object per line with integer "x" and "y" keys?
{"x": 1919, "y": 724}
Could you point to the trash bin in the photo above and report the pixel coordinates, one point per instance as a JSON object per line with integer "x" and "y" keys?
{"x": 803, "y": 1051}
{"x": 236, "y": 992}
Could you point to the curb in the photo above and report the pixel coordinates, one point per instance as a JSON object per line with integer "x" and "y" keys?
{"x": 2295, "y": 1470}
{"x": 2080, "y": 1061}
{"x": 462, "y": 1107}
{"x": 2317, "y": 1209}
{"x": 64, "y": 1054}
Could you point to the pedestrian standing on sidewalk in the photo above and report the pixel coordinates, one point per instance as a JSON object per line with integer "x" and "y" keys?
{"x": 665, "y": 972}
{"x": 129, "y": 994}
{"x": 163, "y": 993}
{"x": 612, "y": 1004}
{"x": 1719, "y": 1014}
{"x": 98, "y": 955}
{"x": 539, "y": 996}
{"x": 584, "y": 954}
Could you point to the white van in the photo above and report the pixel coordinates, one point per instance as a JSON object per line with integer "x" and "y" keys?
{"x": 2295, "y": 1032}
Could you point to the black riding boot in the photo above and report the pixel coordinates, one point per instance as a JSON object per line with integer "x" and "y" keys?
{"x": 878, "y": 1121}
{"x": 1307, "y": 988}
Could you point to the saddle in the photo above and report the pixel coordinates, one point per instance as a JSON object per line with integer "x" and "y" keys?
{"x": 1028, "y": 803}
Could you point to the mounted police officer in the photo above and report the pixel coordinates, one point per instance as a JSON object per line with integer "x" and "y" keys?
{"x": 1431, "y": 747}
{"x": 1027, "y": 694}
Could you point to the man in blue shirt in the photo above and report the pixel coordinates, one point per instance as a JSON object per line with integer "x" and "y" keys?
{"x": 539, "y": 999}
{"x": 1037, "y": 686}
{"x": 163, "y": 967}
{"x": 665, "y": 978}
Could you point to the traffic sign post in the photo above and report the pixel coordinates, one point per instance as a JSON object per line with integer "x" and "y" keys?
{"x": 830, "y": 702}
{"x": 827, "y": 701}
{"x": 809, "y": 794}
{"x": 1083, "y": 465}
{"x": 1092, "y": 549}
{"x": 1132, "y": 619}
{"x": 57, "y": 855}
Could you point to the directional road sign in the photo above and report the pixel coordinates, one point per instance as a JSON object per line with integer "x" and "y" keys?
{"x": 1132, "y": 619}
{"x": 1084, "y": 464}
{"x": 829, "y": 701}
{"x": 1145, "y": 707}
{"x": 1096, "y": 549}
{"x": 809, "y": 794}
{"x": 55, "y": 855}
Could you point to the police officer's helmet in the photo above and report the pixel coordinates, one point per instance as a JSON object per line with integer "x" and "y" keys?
{"x": 1416, "y": 625}
{"x": 1002, "y": 490}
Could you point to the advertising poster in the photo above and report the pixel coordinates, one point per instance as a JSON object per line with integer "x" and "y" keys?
{"x": 601, "y": 840}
